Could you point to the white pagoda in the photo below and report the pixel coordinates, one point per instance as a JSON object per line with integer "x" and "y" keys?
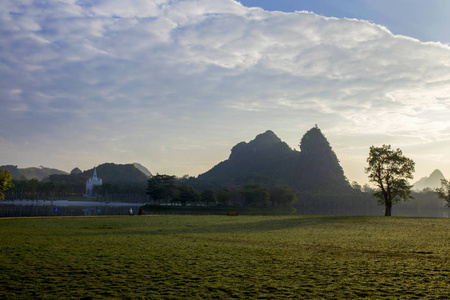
{"x": 91, "y": 182}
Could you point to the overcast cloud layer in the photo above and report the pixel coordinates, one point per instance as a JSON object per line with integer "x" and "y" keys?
{"x": 175, "y": 84}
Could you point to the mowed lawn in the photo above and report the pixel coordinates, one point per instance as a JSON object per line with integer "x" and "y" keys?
{"x": 220, "y": 257}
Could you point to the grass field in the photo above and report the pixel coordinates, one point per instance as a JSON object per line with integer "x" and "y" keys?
{"x": 219, "y": 257}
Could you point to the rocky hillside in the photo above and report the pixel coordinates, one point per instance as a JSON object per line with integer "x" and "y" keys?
{"x": 142, "y": 169}
{"x": 431, "y": 182}
{"x": 267, "y": 160}
{"x": 318, "y": 167}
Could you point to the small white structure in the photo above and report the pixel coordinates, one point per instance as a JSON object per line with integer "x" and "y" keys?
{"x": 91, "y": 182}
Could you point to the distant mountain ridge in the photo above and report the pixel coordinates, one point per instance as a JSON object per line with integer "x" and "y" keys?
{"x": 267, "y": 160}
{"x": 32, "y": 172}
{"x": 433, "y": 181}
{"x": 109, "y": 172}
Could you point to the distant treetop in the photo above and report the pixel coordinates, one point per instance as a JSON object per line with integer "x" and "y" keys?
{"x": 76, "y": 171}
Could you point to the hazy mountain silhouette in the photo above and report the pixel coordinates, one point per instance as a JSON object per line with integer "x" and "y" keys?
{"x": 262, "y": 160}
{"x": 267, "y": 160}
{"x": 433, "y": 181}
{"x": 109, "y": 172}
{"x": 318, "y": 168}
{"x": 115, "y": 173}
{"x": 32, "y": 172}
{"x": 142, "y": 169}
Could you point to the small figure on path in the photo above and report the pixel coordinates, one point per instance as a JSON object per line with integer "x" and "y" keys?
{"x": 130, "y": 211}
{"x": 141, "y": 212}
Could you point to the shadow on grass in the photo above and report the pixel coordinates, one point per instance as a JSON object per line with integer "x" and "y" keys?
{"x": 229, "y": 226}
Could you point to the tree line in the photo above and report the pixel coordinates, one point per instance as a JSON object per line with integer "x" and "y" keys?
{"x": 72, "y": 187}
{"x": 164, "y": 189}
{"x": 388, "y": 169}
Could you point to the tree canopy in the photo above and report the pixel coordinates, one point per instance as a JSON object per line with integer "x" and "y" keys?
{"x": 255, "y": 195}
{"x": 224, "y": 197}
{"x": 282, "y": 196}
{"x": 207, "y": 196}
{"x": 162, "y": 187}
{"x": 444, "y": 191}
{"x": 187, "y": 194}
{"x": 5, "y": 182}
{"x": 389, "y": 170}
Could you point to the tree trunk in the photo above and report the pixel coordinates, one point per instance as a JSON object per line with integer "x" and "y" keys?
{"x": 387, "y": 209}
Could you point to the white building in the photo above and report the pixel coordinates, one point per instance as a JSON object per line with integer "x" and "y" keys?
{"x": 91, "y": 182}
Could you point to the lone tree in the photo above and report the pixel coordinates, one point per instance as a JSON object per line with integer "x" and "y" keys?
{"x": 389, "y": 170}
{"x": 5, "y": 182}
{"x": 444, "y": 191}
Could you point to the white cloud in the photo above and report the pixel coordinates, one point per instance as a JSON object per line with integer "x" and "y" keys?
{"x": 136, "y": 74}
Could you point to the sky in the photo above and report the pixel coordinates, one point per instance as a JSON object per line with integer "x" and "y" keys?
{"x": 174, "y": 85}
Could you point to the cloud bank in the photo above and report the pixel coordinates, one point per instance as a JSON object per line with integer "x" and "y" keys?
{"x": 175, "y": 84}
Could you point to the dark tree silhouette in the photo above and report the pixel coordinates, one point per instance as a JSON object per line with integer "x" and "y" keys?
{"x": 444, "y": 191}
{"x": 162, "y": 187}
{"x": 207, "y": 196}
{"x": 389, "y": 170}
{"x": 187, "y": 194}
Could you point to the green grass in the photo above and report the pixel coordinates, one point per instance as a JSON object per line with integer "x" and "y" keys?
{"x": 219, "y": 257}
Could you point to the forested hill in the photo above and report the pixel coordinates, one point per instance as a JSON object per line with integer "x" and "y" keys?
{"x": 318, "y": 168}
{"x": 33, "y": 172}
{"x": 264, "y": 160}
{"x": 267, "y": 160}
{"x": 115, "y": 173}
{"x": 108, "y": 172}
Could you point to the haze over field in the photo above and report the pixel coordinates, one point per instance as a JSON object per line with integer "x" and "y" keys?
{"x": 174, "y": 85}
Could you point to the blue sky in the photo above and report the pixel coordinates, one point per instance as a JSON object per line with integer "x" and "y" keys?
{"x": 174, "y": 85}
{"x": 423, "y": 20}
